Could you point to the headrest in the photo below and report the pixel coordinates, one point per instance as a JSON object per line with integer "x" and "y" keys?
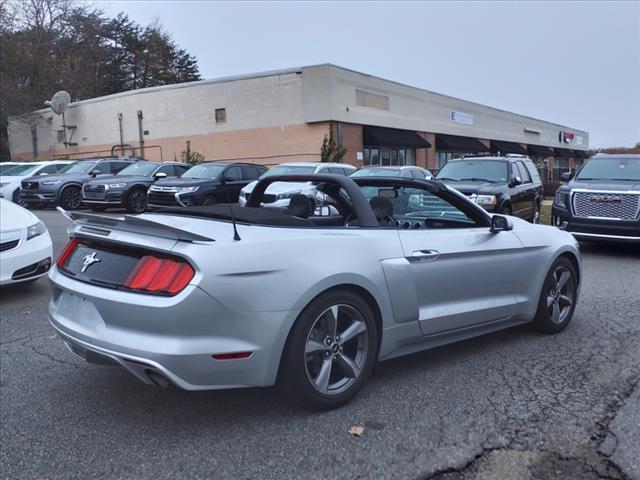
{"x": 382, "y": 207}
{"x": 300, "y": 206}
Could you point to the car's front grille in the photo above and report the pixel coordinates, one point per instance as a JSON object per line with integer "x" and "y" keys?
{"x": 29, "y": 185}
{"x": 9, "y": 245}
{"x": 162, "y": 198}
{"x": 94, "y": 192}
{"x": 611, "y": 205}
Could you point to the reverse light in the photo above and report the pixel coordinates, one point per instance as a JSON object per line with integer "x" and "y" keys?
{"x": 159, "y": 275}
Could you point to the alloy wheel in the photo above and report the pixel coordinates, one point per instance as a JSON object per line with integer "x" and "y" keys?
{"x": 73, "y": 198}
{"x": 336, "y": 349}
{"x": 138, "y": 201}
{"x": 561, "y": 295}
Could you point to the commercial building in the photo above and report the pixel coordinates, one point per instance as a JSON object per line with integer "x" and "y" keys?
{"x": 283, "y": 116}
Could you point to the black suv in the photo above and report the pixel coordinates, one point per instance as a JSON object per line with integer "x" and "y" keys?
{"x": 602, "y": 201}
{"x": 128, "y": 188}
{"x": 65, "y": 187}
{"x": 508, "y": 185}
{"x": 205, "y": 184}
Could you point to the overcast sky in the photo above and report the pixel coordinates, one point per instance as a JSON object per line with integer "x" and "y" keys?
{"x": 573, "y": 63}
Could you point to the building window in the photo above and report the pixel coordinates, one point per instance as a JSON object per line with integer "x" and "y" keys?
{"x": 388, "y": 156}
{"x": 443, "y": 157}
{"x": 221, "y": 115}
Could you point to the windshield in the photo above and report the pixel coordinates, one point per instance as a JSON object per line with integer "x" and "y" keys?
{"x": 139, "y": 168}
{"x": 204, "y": 170}
{"x": 621, "y": 168}
{"x": 492, "y": 171}
{"x": 21, "y": 170}
{"x": 377, "y": 172}
{"x": 78, "y": 167}
{"x": 289, "y": 170}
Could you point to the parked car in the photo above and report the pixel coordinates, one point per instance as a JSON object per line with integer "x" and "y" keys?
{"x": 12, "y": 177}
{"x": 406, "y": 171}
{"x": 602, "y": 202}
{"x": 25, "y": 245}
{"x": 227, "y": 296}
{"x": 279, "y": 194}
{"x": 65, "y": 188}
{"x": 205, "y": 184}
{"x": 4, "y": 166}
{"x": 128, "y": 188}
{"x": 508, "y": 185}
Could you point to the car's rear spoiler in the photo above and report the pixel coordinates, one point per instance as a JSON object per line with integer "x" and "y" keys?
{"x": 96, "y": 223}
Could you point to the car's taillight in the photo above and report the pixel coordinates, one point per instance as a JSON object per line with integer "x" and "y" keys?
{"x": 68, "y": 250}
{"x": 159, "y": 275}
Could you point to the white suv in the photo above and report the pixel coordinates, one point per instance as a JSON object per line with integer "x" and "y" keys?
{"x": 278, "y": 194}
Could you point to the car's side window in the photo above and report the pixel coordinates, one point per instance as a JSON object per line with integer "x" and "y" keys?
{"x": 322, "y": 170}
{"x": 49, "y": 169}
{"x": 526, "y": 178}
{"x": 180, "y": 169}
{"x": 168, "y": 169}
{"x": 535, "y": 177}
{"x": 60, "y": 166}
{"x": 336, "y": 170}
{"x": 102, "y": 167}
{"x": 418, "y": 174}
{"x": 233, "y": 174}
{"x": 250, "y": 173}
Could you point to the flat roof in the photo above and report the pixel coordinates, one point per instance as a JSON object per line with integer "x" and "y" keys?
{"x": 285, "y": 71}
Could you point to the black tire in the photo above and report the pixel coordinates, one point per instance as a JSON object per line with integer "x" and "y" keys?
{"x": 97, "y": 208}
{"x": 299, "y": 364}
{"x": 208, "y": 200}
{"x": 557, "y": 293}
{"x": 136, "y": 201}
{"x": 71, "y": 198}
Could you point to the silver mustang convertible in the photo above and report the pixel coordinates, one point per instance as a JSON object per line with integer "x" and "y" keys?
{"x": 309, "y": 298}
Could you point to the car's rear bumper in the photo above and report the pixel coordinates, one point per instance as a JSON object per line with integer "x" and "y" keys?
{"x": 174, "y": 337}
{"x": 595, "y": 229}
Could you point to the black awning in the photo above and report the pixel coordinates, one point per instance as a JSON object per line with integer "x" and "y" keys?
{"x": 507, "y": 147}
{"x": 563, "y": 152}
{"x": 581, "y": 154}
{"x": 454, "y": 143}
{"x": 539, "y": 150}
{"x": 392, "y": 137}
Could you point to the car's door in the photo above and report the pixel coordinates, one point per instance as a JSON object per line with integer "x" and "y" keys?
{"x": 464, "y": 275}
{"x": 526, "y": 191}
{"x": 233, "y": 183}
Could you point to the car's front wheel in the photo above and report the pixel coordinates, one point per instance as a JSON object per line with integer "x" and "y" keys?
{"x": 136, "y": 201}
{"x": 558, "y": 298}
{"x": 71, "y": 198}
{"x": 330, "y": 351}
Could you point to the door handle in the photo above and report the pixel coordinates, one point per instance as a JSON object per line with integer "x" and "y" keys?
{"x": 425, "y": 255}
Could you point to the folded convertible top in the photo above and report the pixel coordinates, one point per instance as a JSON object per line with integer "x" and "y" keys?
{"x": 250, "y": 215}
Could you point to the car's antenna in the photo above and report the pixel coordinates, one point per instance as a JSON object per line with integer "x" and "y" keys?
{"x": 236, "y": 235}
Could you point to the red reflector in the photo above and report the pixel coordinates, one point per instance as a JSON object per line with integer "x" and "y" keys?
{"x": 162, "y": 275}
{"x": 68, "y": 250}
{"x": 231, "y": 356}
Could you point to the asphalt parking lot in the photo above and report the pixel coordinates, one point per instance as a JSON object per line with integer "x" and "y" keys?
{"x": 516, "y": 404}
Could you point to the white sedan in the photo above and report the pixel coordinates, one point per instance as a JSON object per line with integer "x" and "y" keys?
{"x": 11, "y": 179}
{"x": 25, "y": 245}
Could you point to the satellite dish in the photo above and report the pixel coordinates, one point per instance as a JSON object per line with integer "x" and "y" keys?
{"x": 59, "y": 102}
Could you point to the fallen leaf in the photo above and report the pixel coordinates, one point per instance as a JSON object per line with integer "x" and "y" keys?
{"x": 356, "y": 431}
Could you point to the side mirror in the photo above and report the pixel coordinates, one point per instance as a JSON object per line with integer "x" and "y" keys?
{"x": 500, "y": 224}
{"x": 515, "y": 182}
{"x": 43, "y": 173}
{"x": 94, "y": 173}
{"x": 566, "y": 176}
{"x": 160, "y": 175}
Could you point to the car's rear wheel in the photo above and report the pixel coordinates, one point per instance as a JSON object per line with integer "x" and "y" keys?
{"x": 558, "y": 298}
{"x": 136, "y": 201}
{"x": 208, "y": 200}
{"x": 71, "y": 198}
{"x": 330, "y": 351}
